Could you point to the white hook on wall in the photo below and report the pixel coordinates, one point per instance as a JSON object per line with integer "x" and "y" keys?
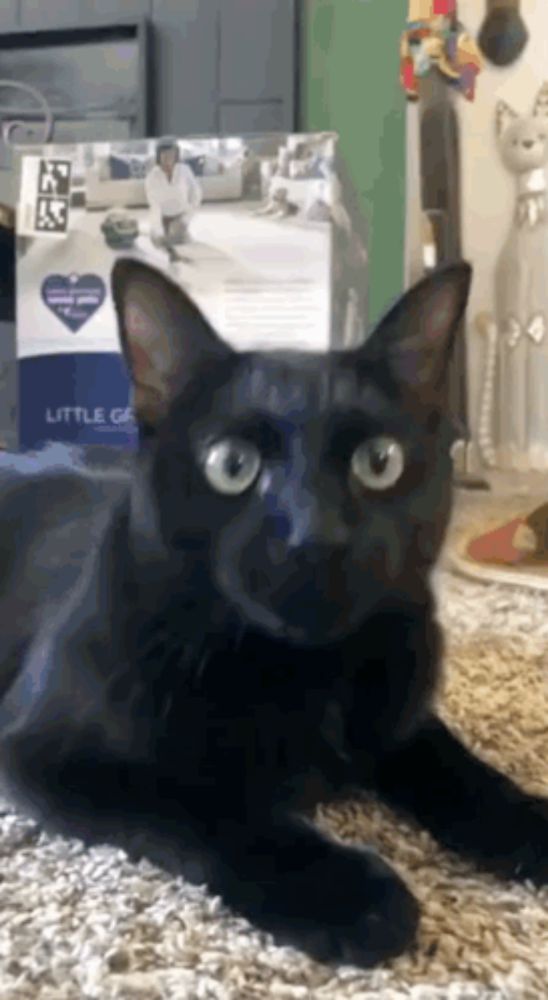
{"x": 9, "y": 125}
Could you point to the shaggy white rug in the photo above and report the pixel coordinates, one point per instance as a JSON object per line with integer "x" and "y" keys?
{"x": 88, "y": 925}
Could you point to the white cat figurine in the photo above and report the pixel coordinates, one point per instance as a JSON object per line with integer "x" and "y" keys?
{"x": 520, "y": 387}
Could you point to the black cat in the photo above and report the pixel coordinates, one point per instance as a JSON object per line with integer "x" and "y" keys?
{"x": 196, "y": 652}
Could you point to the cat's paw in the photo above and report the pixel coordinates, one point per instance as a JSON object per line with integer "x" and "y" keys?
{"x": 354, "y": 910}
{"x": 531, "y": 860}
{"x": 515, "y": 844}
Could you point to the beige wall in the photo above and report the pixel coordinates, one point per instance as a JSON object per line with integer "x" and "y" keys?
{"x": 487, "y": 189}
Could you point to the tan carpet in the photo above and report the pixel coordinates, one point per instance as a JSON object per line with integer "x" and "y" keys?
{"x": 77, "y": 925}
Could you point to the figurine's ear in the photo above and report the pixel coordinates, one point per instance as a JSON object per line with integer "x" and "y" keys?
{"x": 163, "y": 336}
{"x": 541, "y": 103}
{"x": 414, "y": 339}
{"x": 504, "y": 116}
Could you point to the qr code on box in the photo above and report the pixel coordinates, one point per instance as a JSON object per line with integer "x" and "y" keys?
{"x": 52, "y": 203}
{"x": 45, "y": 196}
{"x": 51, "y": 215}
{"x": 54, "y": 178}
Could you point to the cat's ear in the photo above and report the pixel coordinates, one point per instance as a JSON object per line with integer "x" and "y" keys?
{"x": 504, "y": 116}
{"x": 541, "y": 104}
{"x": 163, "y": 335}
{"x": 415, "y": 337}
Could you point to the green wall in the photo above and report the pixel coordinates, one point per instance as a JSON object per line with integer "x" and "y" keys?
{"x": 350, "y": 83}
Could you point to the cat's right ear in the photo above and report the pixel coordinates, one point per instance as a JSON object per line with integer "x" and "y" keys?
{"x": 504, "y": 116}
{"x": 163, "y": 336}
{"x": 414, "y": 339}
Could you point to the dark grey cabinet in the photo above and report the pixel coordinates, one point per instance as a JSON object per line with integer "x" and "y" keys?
{"x": 238, "y": 119}
{"x": 9, "y": 15}
{"x": 36, "y": 14}
{"x": 216, "y": 65}
{"x": 257, "y": 64}
{"x": 224, "y": 65}
{"x": 185, "y": 52}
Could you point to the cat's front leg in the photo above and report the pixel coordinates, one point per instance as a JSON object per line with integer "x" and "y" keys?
{"x": 466, "y": 804}
{"x": 335, "y": 903}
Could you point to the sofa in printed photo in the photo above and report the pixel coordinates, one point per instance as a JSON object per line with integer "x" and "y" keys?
{"x": 119, "y": 181}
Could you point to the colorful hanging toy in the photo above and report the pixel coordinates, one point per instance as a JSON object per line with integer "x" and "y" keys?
{"x": 434, "y": 37}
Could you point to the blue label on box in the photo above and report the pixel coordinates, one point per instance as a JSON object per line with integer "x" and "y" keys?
{"x": 77, "y": 398}
{"x": 73, "y": 298}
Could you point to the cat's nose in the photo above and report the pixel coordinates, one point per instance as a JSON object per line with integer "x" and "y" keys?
{"x": 528, "y": 143}
{"x": 311, "y": 530}
{"x": 302, "y": 520}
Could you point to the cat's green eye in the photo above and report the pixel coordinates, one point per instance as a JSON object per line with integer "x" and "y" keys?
{"x": 231, "y": 465}
{"x": 378, "y": 463}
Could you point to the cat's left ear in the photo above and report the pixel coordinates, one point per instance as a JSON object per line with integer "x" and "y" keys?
{"x": 541, "y": 104}
{"x": 415, "y": 337}
{"x": 163, "y": 336}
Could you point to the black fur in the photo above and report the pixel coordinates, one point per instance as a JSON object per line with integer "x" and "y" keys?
{"x": 188, "y": 673}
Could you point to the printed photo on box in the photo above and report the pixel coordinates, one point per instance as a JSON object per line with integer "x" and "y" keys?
{"x": 247, "y": 226}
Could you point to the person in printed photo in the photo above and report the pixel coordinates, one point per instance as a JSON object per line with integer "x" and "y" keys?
{"x": 173, "y": 194}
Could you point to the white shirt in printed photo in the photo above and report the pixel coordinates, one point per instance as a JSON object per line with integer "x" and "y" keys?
{"x": 181, "y": 195}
